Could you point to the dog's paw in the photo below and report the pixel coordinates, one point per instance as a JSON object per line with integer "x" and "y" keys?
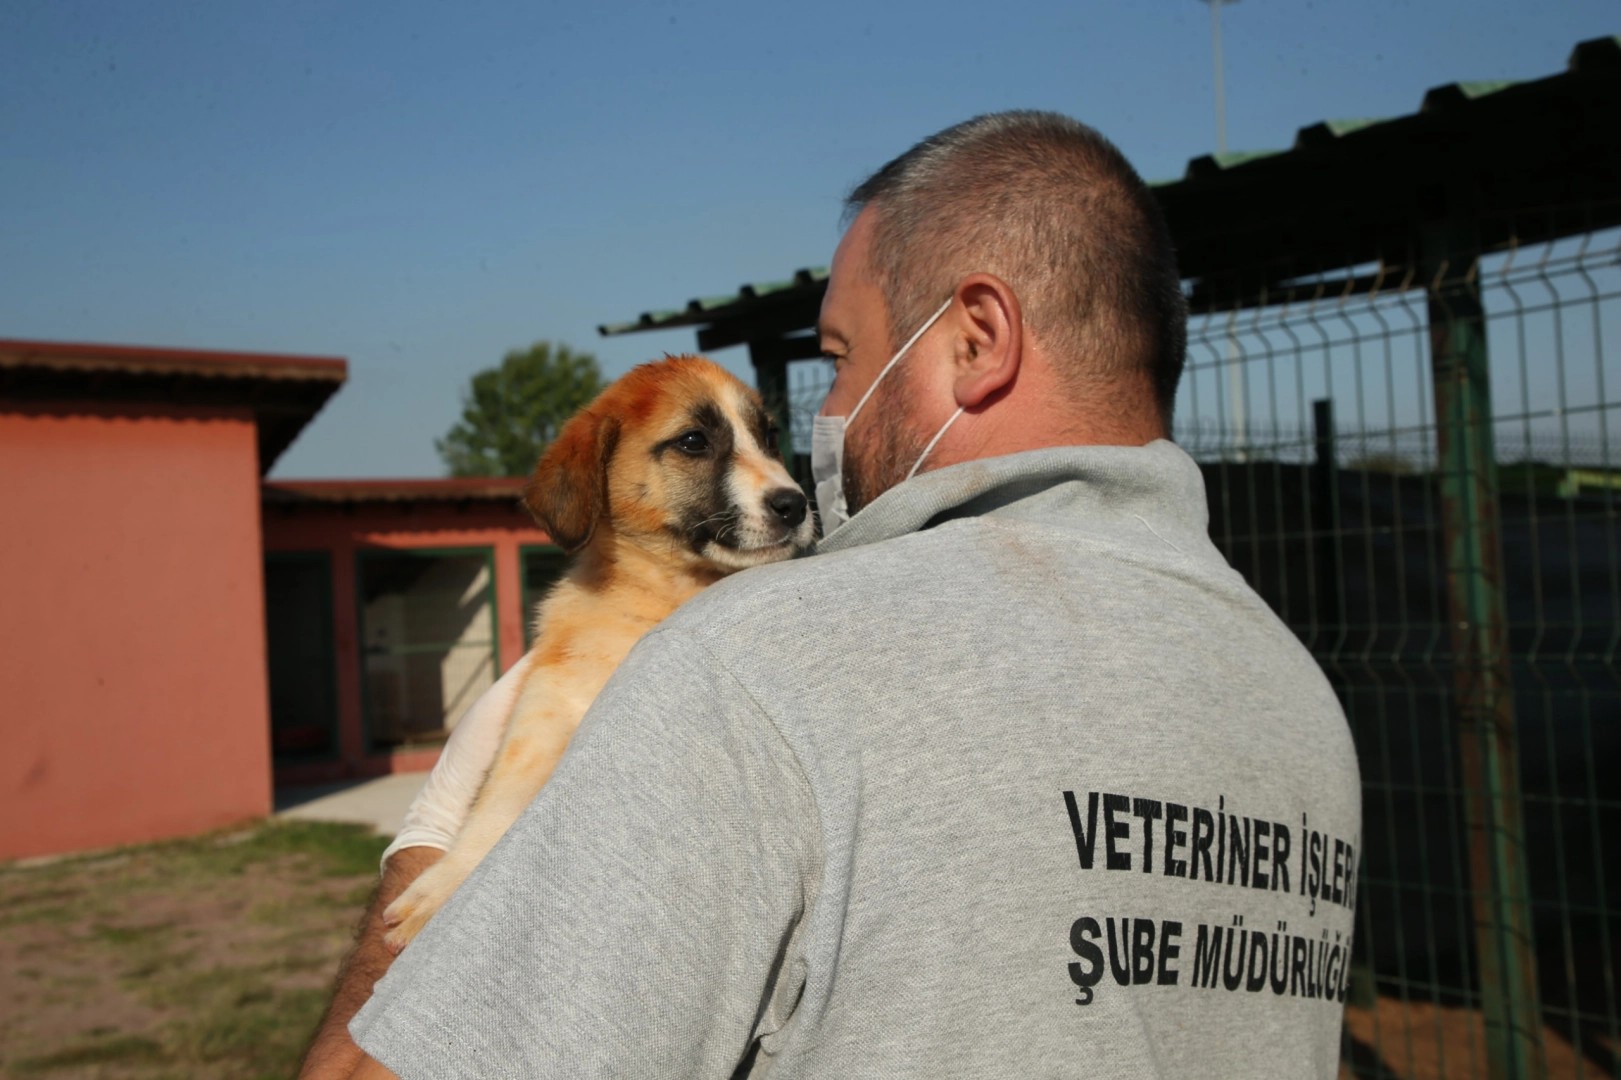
{"x": 406, "y": 917}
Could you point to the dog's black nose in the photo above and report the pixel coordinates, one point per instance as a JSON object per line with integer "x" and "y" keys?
{"x": 788, "y": 504}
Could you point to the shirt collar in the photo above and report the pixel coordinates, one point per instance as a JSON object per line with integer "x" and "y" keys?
{"x": 1160, "y": 476}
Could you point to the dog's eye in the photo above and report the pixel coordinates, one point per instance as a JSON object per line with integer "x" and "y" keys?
{"x": 771, "y": 438}
{"x": 692, "y": 442}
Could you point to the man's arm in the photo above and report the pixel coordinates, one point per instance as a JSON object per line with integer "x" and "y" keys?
{"x": 433, "y": 820}
{"x": 333, "y": 1055}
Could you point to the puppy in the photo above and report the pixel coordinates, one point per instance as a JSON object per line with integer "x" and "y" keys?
{"x": 667, "y": 482}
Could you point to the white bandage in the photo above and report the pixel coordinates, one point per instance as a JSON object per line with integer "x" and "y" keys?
{"x": 437, "y": 813}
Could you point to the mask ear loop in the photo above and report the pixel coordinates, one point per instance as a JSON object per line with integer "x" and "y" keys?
{"x": 893, "y": 360}
{"x": 929, "y": 448}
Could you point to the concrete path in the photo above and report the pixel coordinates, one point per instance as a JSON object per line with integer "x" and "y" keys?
{"x": 380, "y": 802}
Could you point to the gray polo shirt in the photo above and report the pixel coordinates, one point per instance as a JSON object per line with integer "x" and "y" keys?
{"x": 1016, "y": 778}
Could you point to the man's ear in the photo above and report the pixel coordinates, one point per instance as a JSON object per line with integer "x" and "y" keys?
{"x": 990, "y": 347}
{"x": 568, "y": 493}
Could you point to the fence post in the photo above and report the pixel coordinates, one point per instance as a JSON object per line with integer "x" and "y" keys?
{"x": 771, "y": 377}
{"x": 1325, "y": 523}
{"x": 1488, "y": 744}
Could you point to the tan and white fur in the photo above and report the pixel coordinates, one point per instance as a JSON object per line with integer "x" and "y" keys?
{"x": 665, "y": 483}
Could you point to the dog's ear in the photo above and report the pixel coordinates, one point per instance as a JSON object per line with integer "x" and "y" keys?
{"x": 568, "y": 493}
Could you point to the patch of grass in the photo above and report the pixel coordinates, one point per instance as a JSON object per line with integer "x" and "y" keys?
{"x": 298, "y": 953}
{"x": 276, "y": 912}
{"x": 58, "y": 906}
{"x": 254, "y": 1021}
{"x": 147, "y": 965}
{"x": 46, "y": 896}
{"x": 355, "y": 894}
{"x": 331, "y": 848}
{"x": 221, "y": 946}
{"x": 96, "y": 1050}
{"x": 39, "y": 948}
{"x": 140, "y": 951}
{"x": 132, "y": 935}
{"x": 227, "y": 986}
{"x": 335, "y": 850}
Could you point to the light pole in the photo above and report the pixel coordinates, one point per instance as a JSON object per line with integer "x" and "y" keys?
{"x": 1235, "y": 368}
{"x": 1221, "y": 95}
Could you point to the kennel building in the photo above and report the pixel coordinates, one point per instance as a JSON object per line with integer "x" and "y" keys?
{"x": 178, "y": 636}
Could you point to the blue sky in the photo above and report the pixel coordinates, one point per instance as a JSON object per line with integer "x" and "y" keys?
{"x": 420, "y": 186}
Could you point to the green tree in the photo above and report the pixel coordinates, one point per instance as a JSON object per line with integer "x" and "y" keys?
{"x": 511, "y": 412}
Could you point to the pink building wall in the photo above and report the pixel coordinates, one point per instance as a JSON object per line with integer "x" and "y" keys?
{"x": 133, "y": 691}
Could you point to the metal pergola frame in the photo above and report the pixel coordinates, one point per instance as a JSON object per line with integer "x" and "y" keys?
{"x": 1484, "y": 163}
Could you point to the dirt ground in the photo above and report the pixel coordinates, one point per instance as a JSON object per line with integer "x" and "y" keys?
{"x": 1420, "y": 1040}
{"x": 204, "y": 958}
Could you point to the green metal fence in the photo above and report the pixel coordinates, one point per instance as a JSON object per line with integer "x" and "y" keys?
{"x": 1417, "y": 462}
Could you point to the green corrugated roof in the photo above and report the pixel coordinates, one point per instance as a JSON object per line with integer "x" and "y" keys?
{"x": 1234, "y": 158}
{"x": 1599, "y": 55}
{"x": 1338, "y": 128}
{"x": 1474, "y": 90}
{"x": 707, "y": 309}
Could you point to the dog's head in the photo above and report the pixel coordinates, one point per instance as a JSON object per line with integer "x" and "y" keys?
{"x": 677, "y": 456}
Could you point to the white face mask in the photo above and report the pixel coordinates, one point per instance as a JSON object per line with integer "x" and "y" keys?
{"x": 827, "y": 443}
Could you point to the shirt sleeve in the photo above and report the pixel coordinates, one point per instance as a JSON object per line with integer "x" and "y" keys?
{"x": 636, "y": 919}
{"x": 436, "y": 815}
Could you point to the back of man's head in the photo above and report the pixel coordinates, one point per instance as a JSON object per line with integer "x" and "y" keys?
{"x": 1051, "y": 207}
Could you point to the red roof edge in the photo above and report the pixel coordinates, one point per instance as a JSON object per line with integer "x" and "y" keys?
{"x": 444, "y": 489}
{"x": 138, "y": 358}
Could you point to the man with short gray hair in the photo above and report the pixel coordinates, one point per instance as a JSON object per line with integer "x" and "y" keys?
{"x": 1053, "y": 213}
{"x": 1015, "y": 778}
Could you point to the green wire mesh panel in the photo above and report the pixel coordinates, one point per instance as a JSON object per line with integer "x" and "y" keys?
{"x": 1447, "y": 549}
